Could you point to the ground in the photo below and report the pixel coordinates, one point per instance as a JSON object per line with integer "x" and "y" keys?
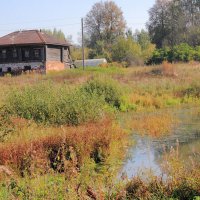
{"x": 63, "y": 135}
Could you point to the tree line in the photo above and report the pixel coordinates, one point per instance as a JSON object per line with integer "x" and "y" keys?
{"x": 173, "y": 34}
{"x": 172, "y": 22}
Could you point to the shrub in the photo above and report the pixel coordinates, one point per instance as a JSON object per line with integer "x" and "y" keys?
{"x": 183, "y": 53}
{"x": 61, "y": 147}
{"x": 6, "y": 126}
{"x": 126, "y": 50}
{"x": 180, "y": 53}
{"x": 104, "y": 89}
{"x": 55, "y": 105}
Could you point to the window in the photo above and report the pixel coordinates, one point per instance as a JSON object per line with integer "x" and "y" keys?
{"x": 14, "y": 53}
{"x": 4, "y": 55}
{"x": 36, "y": 53}
{"x": 26, "y": 53}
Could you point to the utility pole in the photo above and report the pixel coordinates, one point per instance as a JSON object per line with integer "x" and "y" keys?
{"x": 83, "y": 53}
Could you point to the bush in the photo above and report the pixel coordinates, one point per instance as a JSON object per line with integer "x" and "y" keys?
{"x": 104, "y": 89}
{"x": 126, "y": 50}
{"x": 180, "y": 53}
{"x": 183, "y": 53}
{"x": 55, "y": 105}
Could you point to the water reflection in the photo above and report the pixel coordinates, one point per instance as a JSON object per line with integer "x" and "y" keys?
{"x": 146, "y": 154}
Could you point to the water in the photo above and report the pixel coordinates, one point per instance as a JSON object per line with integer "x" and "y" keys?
{"x": 146, "y": 154}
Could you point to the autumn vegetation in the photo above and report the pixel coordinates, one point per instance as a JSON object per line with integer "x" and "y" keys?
{"x": 63, "y": 135}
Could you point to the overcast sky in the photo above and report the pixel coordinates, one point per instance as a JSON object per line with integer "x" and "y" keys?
{"x": 64, "y": 14}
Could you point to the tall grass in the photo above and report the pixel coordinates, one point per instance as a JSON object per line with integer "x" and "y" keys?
{"x": 46, "y": 103}
{"x": 60, "y": 141}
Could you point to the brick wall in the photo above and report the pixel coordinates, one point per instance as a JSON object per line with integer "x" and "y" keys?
{"x": 54, "y": 66}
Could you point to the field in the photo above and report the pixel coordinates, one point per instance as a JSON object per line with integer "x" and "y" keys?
{"x": 64, "y": 135}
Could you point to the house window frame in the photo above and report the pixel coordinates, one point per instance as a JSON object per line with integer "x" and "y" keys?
{"x": 4, "y": 54}
{"x": 38, "y": 54}
{"x": 26, "y": 53}
{"x": 14, "y": 53}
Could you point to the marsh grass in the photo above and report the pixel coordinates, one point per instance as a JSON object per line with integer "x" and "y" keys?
{"x": 151, "y": 124}
{"x": 63, "y": 141}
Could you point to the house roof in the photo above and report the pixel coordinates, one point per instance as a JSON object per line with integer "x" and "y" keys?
{"x": 28, "y": 37}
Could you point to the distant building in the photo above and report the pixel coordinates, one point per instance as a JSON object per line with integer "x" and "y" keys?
{"x": 90, "y": 62}
{"x": 33, "y": 50}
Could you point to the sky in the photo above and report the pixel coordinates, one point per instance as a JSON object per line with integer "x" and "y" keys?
{"x": 64, "y": 14}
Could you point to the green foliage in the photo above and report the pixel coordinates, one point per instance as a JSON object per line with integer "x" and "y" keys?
{"x": 180, "y": 53}
{"x": 107, "y": 90}
{"x": 45, "y": 103}
{"x": 126, "y": 50}
{"x": 142, "y": 38}
{"x": 100, "y": 26}
{"x": 6, "y": 126}
{"x": 183, "y": 52}
{"x": 197, "y": 53}
{"x": 56, "y": 33}
{"x": 76, "y": 53}
{"x": 126, "y": 105}
{"x": 100, "y": 51}
{"x": 173, "y": 22}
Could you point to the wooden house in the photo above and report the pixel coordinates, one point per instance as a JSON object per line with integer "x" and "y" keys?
{"x": 33, "y": 50}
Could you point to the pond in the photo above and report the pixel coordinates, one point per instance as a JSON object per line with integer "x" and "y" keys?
{"x": 147, "y": 152}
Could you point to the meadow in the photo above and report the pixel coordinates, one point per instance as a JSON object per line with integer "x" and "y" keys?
{"x": 63, "y": 135}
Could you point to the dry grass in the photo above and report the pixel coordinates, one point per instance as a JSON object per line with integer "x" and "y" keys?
{"x": 152, "y": 124}
{"x": 41, "y": 146}
{"x": 65, "y": 162}
{"x": 168, "y": 69}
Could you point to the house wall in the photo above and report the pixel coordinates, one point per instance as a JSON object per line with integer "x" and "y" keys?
{"x": 20, "y": 54}
{"x": 54, "y": 66}
{"x": 66, "y": 57}
{"x": 51, "y": 57}
{"x": 21, "y": 66}
{"x": 57, "y": 58}
{"x": 12, "y": 63}
{"x": 53, "y": 53}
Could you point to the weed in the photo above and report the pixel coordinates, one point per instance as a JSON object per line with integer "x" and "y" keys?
{"x": 45, "y": 103}
{"x": 106, "y": 89}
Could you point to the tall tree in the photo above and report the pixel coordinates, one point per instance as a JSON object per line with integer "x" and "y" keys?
{"x": 104, "y": 22}
{"x": 157, "y": 25}
{"x": 172, "y": 22}
{"x": 142, "y": 37}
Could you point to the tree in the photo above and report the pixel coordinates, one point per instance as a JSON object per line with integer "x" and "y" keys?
{"x": 173, "y": 22}
{"x": 126, "y": 50}
{"x": 100, "y": 51}
{"x": 56, "y": 33}
{"x": 76, "y": 52}
{"x": 104, "y": 22}
{"x": 142, "y": 37}
{"x": 157, "y": 25}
